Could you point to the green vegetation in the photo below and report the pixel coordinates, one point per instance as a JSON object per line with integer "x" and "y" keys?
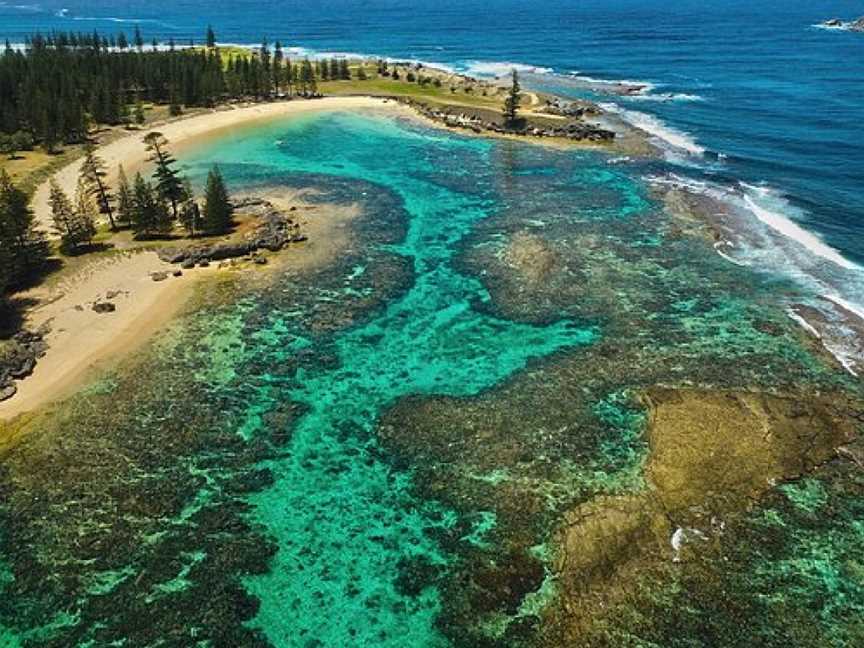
{"x": 150, "y": 216}
{"x": 218, "y": 211}
{"x": 168, "y": 181}
{"x": 511, "y": 103}
{"x": 125, "y": 198}
{"x": 93, "y": 175}
{"x": 75, "y": 226}
{"x": 22, "y": 249}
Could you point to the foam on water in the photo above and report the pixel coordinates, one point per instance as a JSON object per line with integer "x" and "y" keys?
{"x": 769, "y": 207}
{"x": 643, "y": 87}
{"x": 665, "y": 97}
{"x": 500, "y": 68}
{"x": 781, "y": 246}
{"x": 666, "y": 135}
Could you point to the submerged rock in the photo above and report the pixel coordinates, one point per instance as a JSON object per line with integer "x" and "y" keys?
{"x": 712, "y": 454}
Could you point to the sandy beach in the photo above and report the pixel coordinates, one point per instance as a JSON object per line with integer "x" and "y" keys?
{"x": 82, "y": 341}
{"x": 185, "y": 133}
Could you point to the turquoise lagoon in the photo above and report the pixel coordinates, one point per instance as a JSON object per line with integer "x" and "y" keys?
{"x": 298, "y": 462}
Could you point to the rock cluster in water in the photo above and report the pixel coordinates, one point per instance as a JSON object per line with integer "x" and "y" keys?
{"x": 562, "y": 108}
{"x": 273, "y": 232}
{"x": 18, "y": 358}
{"x": 854, "y": 25}
{"x": 573, "y": 130}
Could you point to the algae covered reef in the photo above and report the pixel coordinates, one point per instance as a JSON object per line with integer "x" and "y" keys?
{"x": 524, "y": 406}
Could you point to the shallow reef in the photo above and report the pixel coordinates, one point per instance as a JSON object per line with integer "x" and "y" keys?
{"x": 526, "y": 405}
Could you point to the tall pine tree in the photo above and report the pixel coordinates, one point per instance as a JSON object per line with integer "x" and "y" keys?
{"x": 511, "y": 103}
{"x": 93, "y": 174}
{"x": 169, "y": 184}
{"x": 25, "y": 247}
{"x": 218, "y": 210}
{"x": 125, "y": 198}
{"x": 150, "y": 214}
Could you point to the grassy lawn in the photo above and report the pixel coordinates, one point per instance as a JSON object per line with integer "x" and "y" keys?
{"x": 383, "y": 86}
{"x": 30, "y": 168}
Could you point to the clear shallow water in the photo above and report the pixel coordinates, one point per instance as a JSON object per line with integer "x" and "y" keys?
{"x": 379, "y": 452}
{"x": 345, "y": 518}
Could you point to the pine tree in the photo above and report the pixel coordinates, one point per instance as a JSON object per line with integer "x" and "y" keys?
{"x": 25, "y": 248}
{"x": 291, "y": 76}
{"x": 511, "y": 103}
{"x": 305, "y": 77}
{"x": 211, "y": 37}
{"x": 84, "y": 223}
{"x": 190, "y": 213}
{"x": 63, "y": 215}
{"x": 139, "y": 113}
{"x": 138, "y": 39}
{"x": 218, "y": 211}
{"x": 168, "y": 181}
{"x": 93, "y": 174}
{"x": 125, "y": 198}
{"x": 150, "y": 214}
{"x": 344, "y": 72}
{"x": 266, "y": 72}
{"x": 278, "y": 58}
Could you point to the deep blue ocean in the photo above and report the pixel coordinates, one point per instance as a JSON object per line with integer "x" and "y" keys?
{"x": 741, "y": 91}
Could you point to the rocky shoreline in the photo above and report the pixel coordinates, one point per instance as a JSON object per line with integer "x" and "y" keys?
{"x": 479, "y": 122}
{"x": 18, "y": 358}
{"x": 274, "y": 231}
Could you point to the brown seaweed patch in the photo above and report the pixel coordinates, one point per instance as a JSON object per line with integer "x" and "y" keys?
{"x": 531, "y": 256}
{"x": 712, "y": 454}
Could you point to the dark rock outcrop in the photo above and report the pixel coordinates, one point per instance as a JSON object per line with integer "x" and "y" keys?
{"x": 104, "y": 307}
{"x": 853, "y": 25}
{"x": 18, "y": 357}
{"x": 562, "y": 108}
{"x": 273, "y": 231}
{"x": 575, "y": 129}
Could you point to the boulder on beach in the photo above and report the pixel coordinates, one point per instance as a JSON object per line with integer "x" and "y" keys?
{"x": 18, "y": 357}
{"x": 104, "y": 307}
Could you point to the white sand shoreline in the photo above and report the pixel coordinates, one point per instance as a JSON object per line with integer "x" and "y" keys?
{"x": 195, "y": 130}
{"x": 82, "y": 341}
